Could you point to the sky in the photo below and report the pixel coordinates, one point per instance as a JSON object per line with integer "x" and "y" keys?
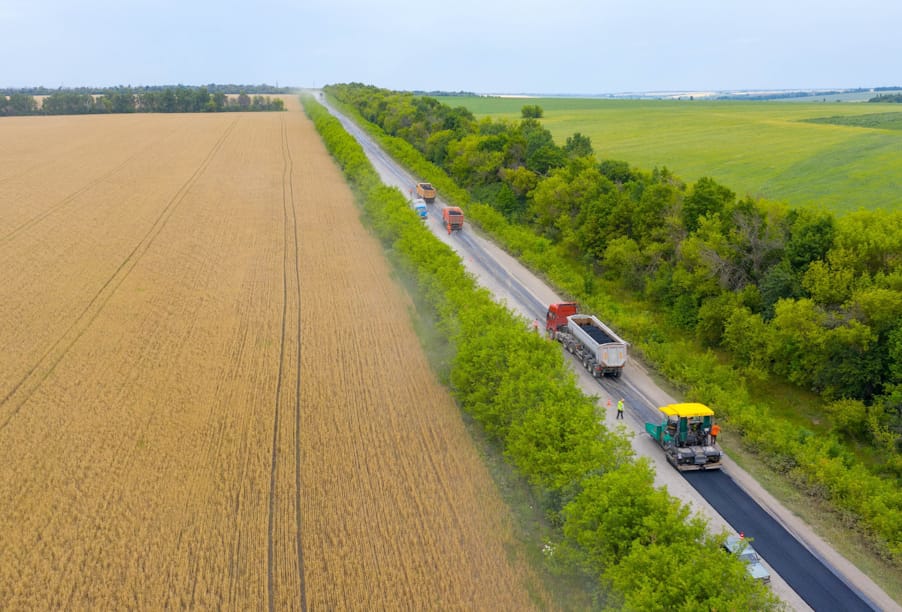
{"x": 482, "y": 46}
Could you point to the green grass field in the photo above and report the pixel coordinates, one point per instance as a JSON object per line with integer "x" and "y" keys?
{"x": 762, "y": 149}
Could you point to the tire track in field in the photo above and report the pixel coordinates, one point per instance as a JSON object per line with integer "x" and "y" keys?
{"x": 35, "y": 376}
{"x": 291, "y": 284}
{"x": 72, "y": 196}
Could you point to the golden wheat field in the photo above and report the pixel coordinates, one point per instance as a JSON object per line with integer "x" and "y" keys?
{"x": 210, "y": 392}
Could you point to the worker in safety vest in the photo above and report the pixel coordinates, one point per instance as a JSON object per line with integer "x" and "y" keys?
{"x": 620, "y": 408}
{"x": 715, "y": 431}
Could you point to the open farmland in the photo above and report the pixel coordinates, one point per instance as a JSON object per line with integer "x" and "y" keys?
{"x": 210, "y": 392}
{"x": 763, "y": 149}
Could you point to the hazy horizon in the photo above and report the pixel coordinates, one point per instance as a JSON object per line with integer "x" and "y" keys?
{"x": 581, "y": 47}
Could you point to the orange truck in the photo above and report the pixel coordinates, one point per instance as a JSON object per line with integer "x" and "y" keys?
{"x": 453, "y": 218}
{"x": 426, "y": 191}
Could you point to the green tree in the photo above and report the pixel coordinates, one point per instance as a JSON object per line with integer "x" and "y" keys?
{"x": 811, "y": 235}
{"x": 797, "y": 341}
{"x": 520, "y": 179}
{"x": 686, "y": 576}
{"x": 459, "y": 120}
{"x": 850, "y": 368}
{"x": 219, "y": 100}
{"x": 713, "y": 315}
{"x": 654, "y": 219}
{"x": 166, "y": 102}
{"x": 868, "y": 242}
{"x": 560, "y": 197}
{"x": 849, "y": 417}
{"x": 707, "y": 197}
{"x": 827, "y": 286}
{"x": 556, "y": 442}
{"x": 894, "y": 344}
{"x": 616, "y": 171}
{"x": 21, "y": 104}
{"x": 121, "y": 102}
{"x": 578, "y": 145}
{"x": 471, "y": 163}
{"x": 746, "y": 334}
{"x": 436, "y": 149}
{"x": 595, "y": 223}
{"x": 619, "y": 509}
{"x": 779, "y": 282}
{"x": 532, "y": 111}
{"x": 542, "y": 154}
{"x": 199, "y": 99}
{"x": 693, "y": 275}
{"x": 623, "y": 261}
{"x": 755, "y": 237}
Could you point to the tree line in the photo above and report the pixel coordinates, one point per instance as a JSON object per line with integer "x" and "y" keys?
{"x": 788, "y": 295}
{"x": 226, "y": 88}
{"x": 610, "y": 522}
{"x": 883, "y": 98}
{"x": 123, "y": 100}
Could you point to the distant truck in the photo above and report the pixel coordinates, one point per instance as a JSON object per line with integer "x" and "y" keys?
{"x": 685, "y": 435}
{"x": 426, "y": 191}
{"x": 419, "y": 205}
{"x": 601, "y": 351}
{"x": 453, "y": 218}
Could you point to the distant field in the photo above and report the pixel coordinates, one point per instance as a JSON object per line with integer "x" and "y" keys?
{"x": 763, "y": 149}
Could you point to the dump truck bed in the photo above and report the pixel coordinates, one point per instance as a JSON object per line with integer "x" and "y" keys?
{"x": 607, "y": 348}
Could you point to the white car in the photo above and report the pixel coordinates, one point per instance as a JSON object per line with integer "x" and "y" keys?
{"x": 740, "y": 546}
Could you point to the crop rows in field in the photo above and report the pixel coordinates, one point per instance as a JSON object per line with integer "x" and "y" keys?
{"x": 210, "y": 393}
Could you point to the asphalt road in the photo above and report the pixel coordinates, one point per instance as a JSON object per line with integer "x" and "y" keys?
{"x": 812, "y": 579}
{"x": 809, "y": 576}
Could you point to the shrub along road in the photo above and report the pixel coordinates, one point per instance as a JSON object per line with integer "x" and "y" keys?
{"x": 798, "y": 575}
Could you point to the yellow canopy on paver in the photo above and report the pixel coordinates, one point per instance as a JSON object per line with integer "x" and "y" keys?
{"x": 687, "y": 410}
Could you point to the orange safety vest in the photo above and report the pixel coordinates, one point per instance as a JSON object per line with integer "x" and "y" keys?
{"x": 715, "y": 430}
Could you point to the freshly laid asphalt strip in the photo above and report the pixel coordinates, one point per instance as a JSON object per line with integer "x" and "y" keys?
{"x": 806, "y": 574}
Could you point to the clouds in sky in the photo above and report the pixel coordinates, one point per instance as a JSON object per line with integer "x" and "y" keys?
{"x": 575, "y": 46}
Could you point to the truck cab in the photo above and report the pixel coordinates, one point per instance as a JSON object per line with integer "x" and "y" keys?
{"x": 556, "y": 317}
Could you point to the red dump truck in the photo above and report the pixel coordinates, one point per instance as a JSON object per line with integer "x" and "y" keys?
{"x": 601, "y": 351}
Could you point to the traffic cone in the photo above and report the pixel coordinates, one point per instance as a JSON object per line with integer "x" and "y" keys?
{"x": 609, "y": 402}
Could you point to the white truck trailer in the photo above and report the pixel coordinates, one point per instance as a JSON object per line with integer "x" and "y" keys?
{"x": 601, "y": 351}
